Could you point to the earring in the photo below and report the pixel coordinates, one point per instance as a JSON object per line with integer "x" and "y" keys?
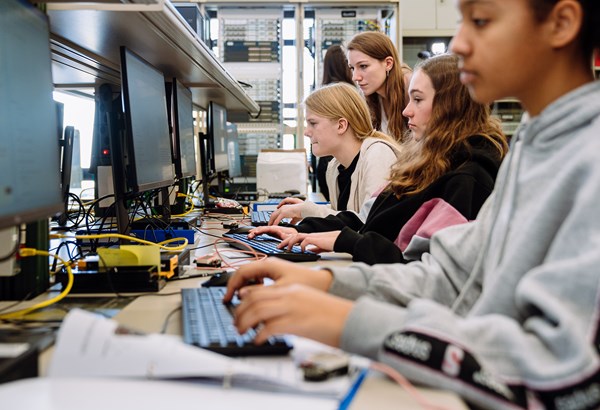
{"x": 387, "y": 73}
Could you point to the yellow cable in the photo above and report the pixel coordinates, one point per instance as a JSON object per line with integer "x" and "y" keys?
{"x": 186, "y": 213}
{"x": 130, "y": 238}
{"x": 27, "y": 252}
{"x": 188, "y": 195}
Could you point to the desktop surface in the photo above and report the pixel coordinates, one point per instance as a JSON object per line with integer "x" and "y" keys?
{"x": 120, "y": 393}
{"x": 159, "y": 312}
{"x": 19, "y": 350}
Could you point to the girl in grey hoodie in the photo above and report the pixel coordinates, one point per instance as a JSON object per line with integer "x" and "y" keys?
{"x": 505, "y": 310}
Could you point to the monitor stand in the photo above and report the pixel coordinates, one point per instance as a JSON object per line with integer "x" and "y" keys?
{"x": 211, "y": 207}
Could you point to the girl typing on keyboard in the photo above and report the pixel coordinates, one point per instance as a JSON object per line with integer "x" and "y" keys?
{"x": 503, "y": 310}
{"x": 338, "y": 124}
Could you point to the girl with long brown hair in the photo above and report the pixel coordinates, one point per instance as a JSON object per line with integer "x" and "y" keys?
{"x": 383, "y": 79}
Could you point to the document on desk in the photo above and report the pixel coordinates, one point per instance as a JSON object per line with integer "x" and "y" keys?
{"x": 89, "y": 345}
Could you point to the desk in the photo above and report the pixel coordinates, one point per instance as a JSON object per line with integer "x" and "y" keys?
{"x": 148, "y": 314}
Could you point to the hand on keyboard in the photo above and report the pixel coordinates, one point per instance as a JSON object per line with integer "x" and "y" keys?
{"x": 295, "y": 309}
{"x": 261, "y": 240}
{"x": 289, "y": 208}
{"x": 320, "y": 241}
{"x": 208, "y": 323}
{"x": 280, "y": 232}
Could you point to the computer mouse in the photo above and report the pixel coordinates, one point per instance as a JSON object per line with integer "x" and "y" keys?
{"x": 218, "y": 279}
{"x": 292, "y": 192}
{"x": 243, "y": 229}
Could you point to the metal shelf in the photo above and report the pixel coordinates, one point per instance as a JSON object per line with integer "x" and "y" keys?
{"x": 86, "y": 41}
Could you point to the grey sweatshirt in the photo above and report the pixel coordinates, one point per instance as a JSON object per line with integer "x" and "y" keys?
{"x": 504, "y": 310}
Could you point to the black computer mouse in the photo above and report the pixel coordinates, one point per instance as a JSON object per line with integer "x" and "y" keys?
{"x": 243, "y": 229}
{"x": 218, "y": 279}
{"x": 292, "y": 192}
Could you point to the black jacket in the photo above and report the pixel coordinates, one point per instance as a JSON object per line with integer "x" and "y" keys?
{"x": 465, "y": 187}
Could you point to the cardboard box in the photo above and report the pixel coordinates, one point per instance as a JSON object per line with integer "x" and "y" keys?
{"x": 282, "y": 170}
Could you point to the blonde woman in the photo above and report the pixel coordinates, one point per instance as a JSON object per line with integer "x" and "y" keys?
{"x": 335, "y": 70}
{"x": 338, "y": 124}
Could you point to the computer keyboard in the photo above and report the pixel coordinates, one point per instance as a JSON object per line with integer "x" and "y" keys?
{"x": 279, "y": 195}
{"x": 271, "y": 201}
{"x": 260, "y": 218}
{"x": 208, "y": 323}
{"x": 268, "y": 245}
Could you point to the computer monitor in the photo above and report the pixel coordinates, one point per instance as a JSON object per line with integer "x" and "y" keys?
{"x": 217, "y": 136}
{"x": 60, "y": 118}
{"x": 233, "y": 151}
{"x": 147, "y": 150}
{"x": 66, "y": 162}
{"x": 66, "y": 166}
{"x": 29, "y": 155}
{"x": 76, "y": 170}
{"x": 181, "y": 114}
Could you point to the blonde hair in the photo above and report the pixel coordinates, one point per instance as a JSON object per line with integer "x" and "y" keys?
{"x": 379, "y": 46}
{"x": 455, "y": 117}
{"x": 342, "y": 100}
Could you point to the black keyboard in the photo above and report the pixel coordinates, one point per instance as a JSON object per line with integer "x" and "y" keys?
{"x": 268, "y": 245}
{"x": 261, "y": 218}
{"x": 279, "y": 195}
{"x": 208, "y": 323}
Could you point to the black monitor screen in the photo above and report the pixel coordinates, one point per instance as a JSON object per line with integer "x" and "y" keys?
{"x": 217, "y": 134}
{"x": 66, "y": 162}
{"x": 148, "y": 140}
{"x": 233, "y": 151}
{"x": 184, "y": 154}
{"x": 29, "y": 153}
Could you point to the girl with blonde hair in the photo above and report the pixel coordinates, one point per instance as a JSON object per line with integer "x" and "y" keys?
{"x": 338, "y": 124}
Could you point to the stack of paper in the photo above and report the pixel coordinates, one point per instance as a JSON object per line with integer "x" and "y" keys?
{"x": 90, "y": 345}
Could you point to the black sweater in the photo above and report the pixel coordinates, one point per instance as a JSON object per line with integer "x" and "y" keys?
{"x": 465, "y": 187}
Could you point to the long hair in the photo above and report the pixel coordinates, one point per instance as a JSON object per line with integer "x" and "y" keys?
{"x": 341, "y": 100}
{"x": 335, "y": 66}
{"x": 379, "y": 46}
{"x": 454, "y": 118}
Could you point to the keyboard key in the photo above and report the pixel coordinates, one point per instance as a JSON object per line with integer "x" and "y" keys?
{"x": 208, "y": 323}
{"x": 261, "y": 218}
